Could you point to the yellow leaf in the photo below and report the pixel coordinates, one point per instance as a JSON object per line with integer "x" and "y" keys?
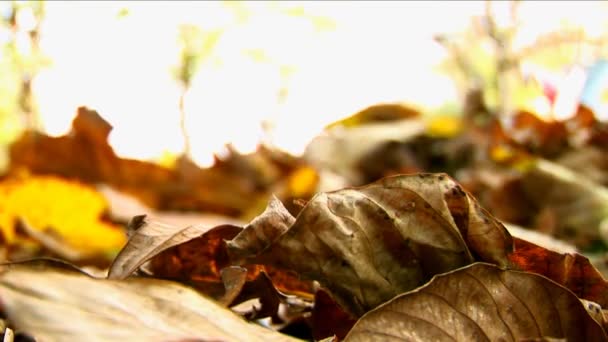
{"x": 444, "y": 126}
{"x": 303, "y": 182}
{"x": 71, "y": 209}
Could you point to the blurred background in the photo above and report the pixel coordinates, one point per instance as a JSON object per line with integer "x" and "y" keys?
{"x": 193, "y": 76}
{"x": 182, "y": 109}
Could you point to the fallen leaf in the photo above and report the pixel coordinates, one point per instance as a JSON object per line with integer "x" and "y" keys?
{"x": 58, "y": 305}
{"x": 149, "y": 239}
{"x": 368, "y": 244}
{"x": 198, "y": 261}
{"x": 262, "y": 231}
{"x": 480, "y": 302}
{"x": 233, "y": 278}
{"x": 122, "y": 207}
{"x": 70, "y": 210}
{"x": 570, "y": 270}
{"x": 328, "y": 318}
{"x": 195, "y": 255}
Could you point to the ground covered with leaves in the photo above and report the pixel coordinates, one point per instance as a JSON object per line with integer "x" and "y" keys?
{"x": 391, "y": 226}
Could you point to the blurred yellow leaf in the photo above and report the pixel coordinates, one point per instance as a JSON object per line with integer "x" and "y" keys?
{"x": 444, "y": 126}
{"x": 303, "y": 182}
{"x": 71, "y": 209}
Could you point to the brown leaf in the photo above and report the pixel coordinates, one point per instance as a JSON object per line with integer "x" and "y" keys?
{"x": 227, "y": 188}
{"x": 480, "y": 302}
{"x": 261, "y": 287}
{"x": 368, "y": 244}
{"x": 194, "y": 255}
{"x": 199, "y": 261}
{"x": 57, "y": 305}
{"x": 150, "y": 239}
{"x": 328, "y": 318}
{"x": 234, "y": 278}
{"x": 573, "y": 271}
{"x": 269, "y": 225}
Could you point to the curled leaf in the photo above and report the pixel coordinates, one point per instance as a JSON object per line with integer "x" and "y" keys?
{"x": 368, "y": 244}
{"x": 147, "y": 239}
{"x": 269, "y": 225}
{"x": 198, "y": 262}
{"x": 481, "y": 302}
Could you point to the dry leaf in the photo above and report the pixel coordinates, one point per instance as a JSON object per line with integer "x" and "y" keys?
{"x": 480, "y": 302}
{"x": 58, "y": 305}
{"x": 573, "y": 271}
{"x": 368, "y": 244}
{"x": 148, "y": 239}
{"x": 328, "y": 318}
{"x": 198, "y": 262}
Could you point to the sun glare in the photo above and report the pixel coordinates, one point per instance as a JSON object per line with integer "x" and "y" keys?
{"x": 278, "y": 72}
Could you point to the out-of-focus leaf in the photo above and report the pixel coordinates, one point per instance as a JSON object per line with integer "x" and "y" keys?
{"x": 228, "y": 188}
{"x": 579, "y": 204}
{"x": 149, "y": 238}
{"x": 57, "y": 305}
{"x": 55, "y": 244}
{"x": 70, "y": 210}
{"x": 545, "y": 138}
{"x": 339, "y": 150}
{"x": 480, "y": 302}
{"x": 590, "y": 162}
{"x": 573, "y": 271}
{"x": 302, "y": 182}
{"x": 368, "y": 244}
{"x": 447, "y": 126}
{"x": 122, "y": 207}
{"x": 388, "y": 112}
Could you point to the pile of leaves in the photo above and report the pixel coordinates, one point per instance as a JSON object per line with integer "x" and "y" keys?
{"x": 406, "y": 257}
{"x": 390, "y": 227}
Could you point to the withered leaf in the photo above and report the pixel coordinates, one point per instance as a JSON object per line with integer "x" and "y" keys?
{"x": 265, "y": 228}
{"x": 198, "y": 262}
{"x": 328, "y": 318}
{"x": 368, "y": 244}
{"x": 57, "y": 305}
{"x": 571, "y": 270}
{"x": 148, "y": 240}
{"x": 234, "y": 278}
{"x": 481, "y": 302}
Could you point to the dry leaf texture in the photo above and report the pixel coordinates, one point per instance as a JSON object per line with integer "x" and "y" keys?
{"x": 57, "y": 305}
{"x": 368, "y": 244}
{"x": 480, "y": 302}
